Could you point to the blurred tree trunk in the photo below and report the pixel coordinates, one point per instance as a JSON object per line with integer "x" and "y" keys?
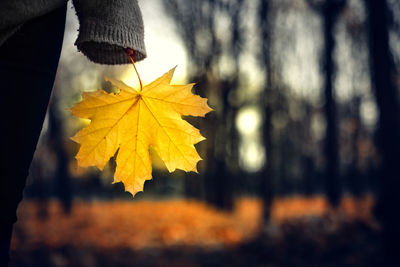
{"x": 56, "y": 140}
{"x": 41, "y": 190}
{"x": 224, "y": 180}
{"x": 218, "y": 185}
{"x": 355, "y": 180}
{"x": 233, "y": 103}
{"x": 331, "y": 9}
{"x": 307, "y": 158}
{"x": 198, "y": 19}
{"x": 267, "y": 101}
{"x": 389, "y": 129}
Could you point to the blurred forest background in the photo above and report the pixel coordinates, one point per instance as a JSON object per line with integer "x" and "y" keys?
{"x": 301, "y": 163}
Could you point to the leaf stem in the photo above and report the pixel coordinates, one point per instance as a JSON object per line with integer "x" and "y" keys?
{"x": 130, "y": 53}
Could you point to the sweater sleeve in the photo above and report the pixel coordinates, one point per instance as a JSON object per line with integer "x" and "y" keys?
{"x": 107, "y": 27}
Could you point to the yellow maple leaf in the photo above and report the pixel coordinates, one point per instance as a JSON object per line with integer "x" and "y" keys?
{"x": 131, "y": 121}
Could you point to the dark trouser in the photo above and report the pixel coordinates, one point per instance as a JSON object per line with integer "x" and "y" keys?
{"x": 28, "y": 64}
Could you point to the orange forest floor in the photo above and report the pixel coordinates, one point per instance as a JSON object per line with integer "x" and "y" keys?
{"x": 157, "y": 225}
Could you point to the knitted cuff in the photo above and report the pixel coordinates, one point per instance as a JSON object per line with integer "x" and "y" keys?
{"x": 105, "y": 44}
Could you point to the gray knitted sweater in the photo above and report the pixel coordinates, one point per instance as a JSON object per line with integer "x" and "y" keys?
{"x": 106, "y": 26}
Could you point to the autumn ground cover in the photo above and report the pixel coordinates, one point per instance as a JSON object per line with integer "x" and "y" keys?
{"x": 189, "y": 233}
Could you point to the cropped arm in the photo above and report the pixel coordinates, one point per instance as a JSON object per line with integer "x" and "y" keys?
{"x": 107, "y": 27}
